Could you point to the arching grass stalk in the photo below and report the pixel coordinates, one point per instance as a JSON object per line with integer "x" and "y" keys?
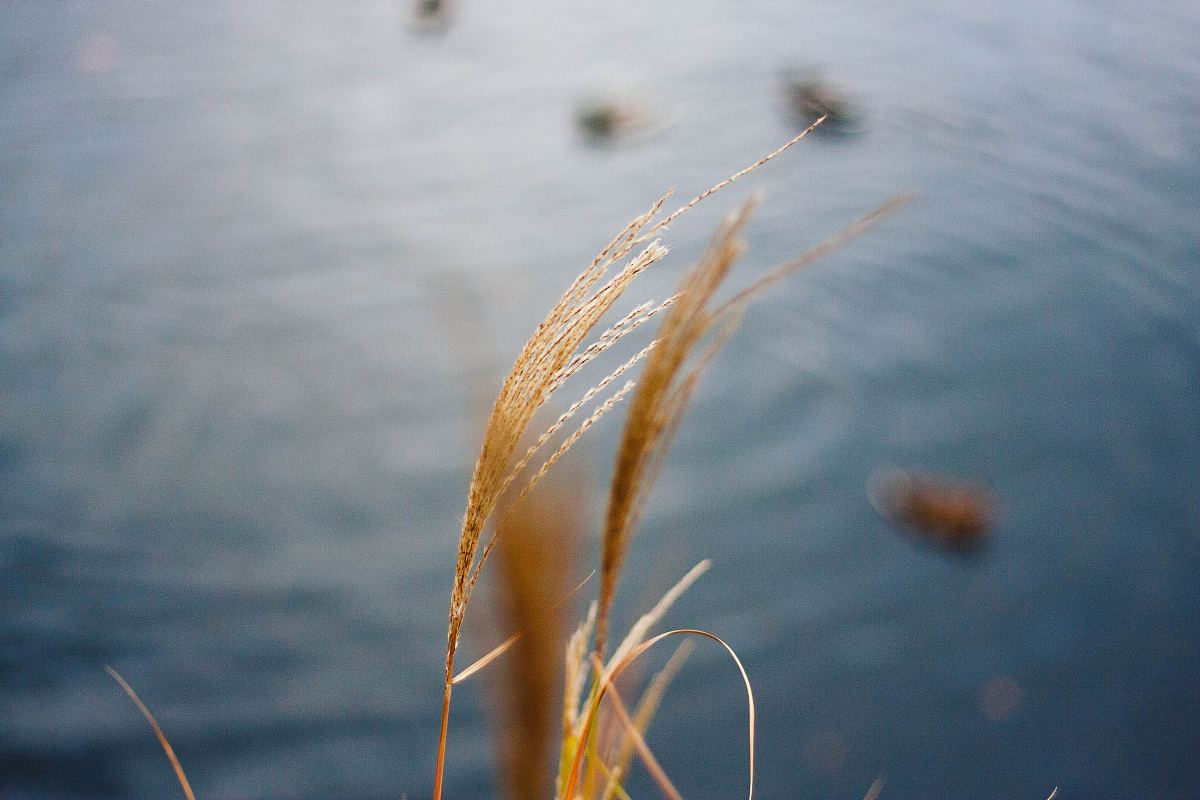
{"x": 158, "y": 733}
{"x": 605, "y": 676}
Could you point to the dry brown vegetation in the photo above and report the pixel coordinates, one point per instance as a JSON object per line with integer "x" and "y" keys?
{"x": 599, "y": 734}
{"x": 598, "y": 740}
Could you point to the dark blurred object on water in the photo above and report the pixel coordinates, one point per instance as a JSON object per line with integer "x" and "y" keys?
{"x": 606, "y": 120}
{"x": 430, "y": 15}
{"x": 600, "y": 120}
{"x": 810, "y": 97}
{"x": 953, "y": 514}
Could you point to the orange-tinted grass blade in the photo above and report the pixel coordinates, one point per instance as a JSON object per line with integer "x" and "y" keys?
{"x": 639, "y": 742}
{"x": 616, "y": 670}
{"x": 507, "y": 644}
{"x": 491, "y": 656}
{"x": 162, "y": 737}
{"x": 876, "y": 788}
{"x": 440, "y": 769}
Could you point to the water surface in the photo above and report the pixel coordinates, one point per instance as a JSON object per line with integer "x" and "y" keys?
{"x": 260, "y": 262}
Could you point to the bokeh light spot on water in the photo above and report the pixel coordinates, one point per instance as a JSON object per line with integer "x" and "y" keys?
{"x": 97, "y": 53}
{"x": 826, "y": 751}
{"x": 1001, "y": 698}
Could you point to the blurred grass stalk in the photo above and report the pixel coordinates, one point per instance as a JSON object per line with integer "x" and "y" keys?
{"x": 538, "y": 549}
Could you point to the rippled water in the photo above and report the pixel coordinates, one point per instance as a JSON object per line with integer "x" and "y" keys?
{"x": 259, "y": 265}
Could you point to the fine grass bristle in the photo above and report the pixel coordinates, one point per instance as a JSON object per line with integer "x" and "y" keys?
{"x": 158, "y": 733}
{"x": 821, "y": 249}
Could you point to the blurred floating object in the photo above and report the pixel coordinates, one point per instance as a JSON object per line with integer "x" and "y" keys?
{"x": 610, "y": 119}
{"x": 956, "y": 515}
{"x": 431, "y": 14}
{"x": 600, "y": 120}
{"x": 810, "y": 97}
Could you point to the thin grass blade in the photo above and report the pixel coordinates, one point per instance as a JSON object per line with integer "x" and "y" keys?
{"x": 158, "y": 732}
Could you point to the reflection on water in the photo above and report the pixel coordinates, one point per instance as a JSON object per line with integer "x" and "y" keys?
{"x": 251, "y": 258}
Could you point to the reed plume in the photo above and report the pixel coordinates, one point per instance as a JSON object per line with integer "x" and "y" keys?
{"x": 550, "y": 357}
{"x": 671, "y": 373}
{"x": 668, "y": 382}
{"x": 692, "y": 331}
{"x": 691, "y": 334}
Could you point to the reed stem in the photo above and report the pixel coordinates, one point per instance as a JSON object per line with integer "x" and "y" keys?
{"x": 441, "y": 750}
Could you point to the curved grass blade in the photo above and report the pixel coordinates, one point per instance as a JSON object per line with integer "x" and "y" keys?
{"x": 612, "y": 673}
{"x": 162, "y": 737}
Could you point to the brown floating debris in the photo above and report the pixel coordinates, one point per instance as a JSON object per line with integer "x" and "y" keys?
{"x": 957, "y": 515}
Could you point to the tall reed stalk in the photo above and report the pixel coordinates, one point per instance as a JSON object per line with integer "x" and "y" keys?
{"x": 692, "y": 331}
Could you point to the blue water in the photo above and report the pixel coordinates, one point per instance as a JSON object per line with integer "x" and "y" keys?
{"x": 261, "y": 263}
